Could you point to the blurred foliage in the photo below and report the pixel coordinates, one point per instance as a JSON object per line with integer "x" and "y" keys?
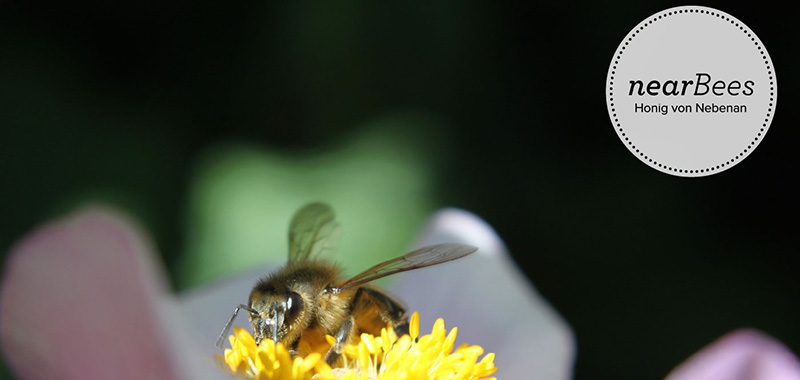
{"x": 211, "y": 123}
{"x": 243, "y": 198}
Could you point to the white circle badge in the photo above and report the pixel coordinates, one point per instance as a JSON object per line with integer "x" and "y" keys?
{"x": 691, "y": 91}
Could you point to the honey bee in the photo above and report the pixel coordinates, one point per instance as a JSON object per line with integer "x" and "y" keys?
{"x": 302, "y": 303}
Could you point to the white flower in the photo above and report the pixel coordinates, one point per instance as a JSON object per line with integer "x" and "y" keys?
{"x": 82, "y": 298}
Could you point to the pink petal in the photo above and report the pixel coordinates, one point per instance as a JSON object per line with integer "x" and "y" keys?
{"x": 79, "y": 300}
{"x": 490, "y": 301}
{"x": 741, "y": 355}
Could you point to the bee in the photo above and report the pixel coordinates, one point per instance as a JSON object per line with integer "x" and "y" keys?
{"x": 302, "y": 303}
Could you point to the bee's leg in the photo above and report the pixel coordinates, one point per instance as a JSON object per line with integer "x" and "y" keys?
{"x": 342, "y": 336}
{"x": 293, "y": 349}
{"x": 402, "y": 329}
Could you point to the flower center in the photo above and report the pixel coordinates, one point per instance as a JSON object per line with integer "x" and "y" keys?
{"x": 384, "y": 357}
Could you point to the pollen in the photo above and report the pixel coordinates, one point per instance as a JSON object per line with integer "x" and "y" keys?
{"x": 383, "y": 357}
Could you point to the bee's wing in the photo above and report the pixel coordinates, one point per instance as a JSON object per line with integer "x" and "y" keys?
{"x": 312, "y": 232}
{"x": 423, "y": 257}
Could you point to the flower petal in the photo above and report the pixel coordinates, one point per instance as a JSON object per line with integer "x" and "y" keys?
{"x": 82, "y": 298}
{"x": 208, "y": 307}
{"x": 741, "y": 355}
{"x": 490, "y": 301}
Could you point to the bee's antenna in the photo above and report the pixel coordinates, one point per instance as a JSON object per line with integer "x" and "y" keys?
{"x": 227, "y": 327}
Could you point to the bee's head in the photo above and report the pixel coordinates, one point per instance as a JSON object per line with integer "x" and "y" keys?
{"x": 274, "y": 315}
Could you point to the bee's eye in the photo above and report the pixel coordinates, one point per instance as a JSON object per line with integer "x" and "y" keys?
{"x": 294, "y": 303}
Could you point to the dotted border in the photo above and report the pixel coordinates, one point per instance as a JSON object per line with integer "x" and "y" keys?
{"x": 745, "y": 30}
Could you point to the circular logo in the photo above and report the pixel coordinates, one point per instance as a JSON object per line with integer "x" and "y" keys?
{"x": 691, "y": 91}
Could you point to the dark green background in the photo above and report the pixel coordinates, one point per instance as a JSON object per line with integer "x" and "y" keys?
{"x": 117, "y": 100}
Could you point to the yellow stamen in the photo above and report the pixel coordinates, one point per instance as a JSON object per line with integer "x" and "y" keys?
{"x": 384, "y": 357}
{"x": 413, "y": 326}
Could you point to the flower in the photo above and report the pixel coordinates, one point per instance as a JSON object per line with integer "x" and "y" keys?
{"x": 269, "y": 360}
{"x": 82, "y": 297}
{"x": 533, "y": 339}
{"x": 744, "y": 354}
{"x": 385, "y": 357}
